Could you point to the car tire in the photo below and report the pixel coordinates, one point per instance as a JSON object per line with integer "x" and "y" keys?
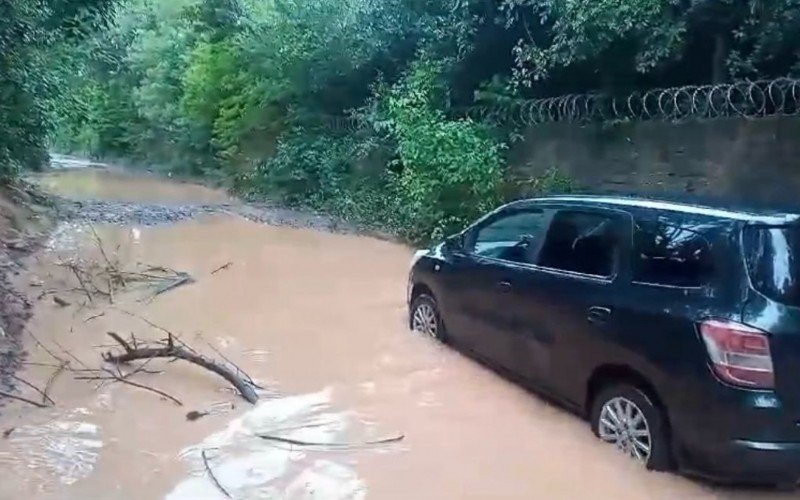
{"x": 424, "y": 317}
{"x": 632, "y": 404}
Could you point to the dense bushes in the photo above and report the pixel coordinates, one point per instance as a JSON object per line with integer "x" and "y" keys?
{"x": 441, "y": 173}
{"x": 255, "y": 92}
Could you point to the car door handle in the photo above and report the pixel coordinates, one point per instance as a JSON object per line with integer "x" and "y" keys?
{"x": 598, "y": 315}
{"x": 504, "y": 286}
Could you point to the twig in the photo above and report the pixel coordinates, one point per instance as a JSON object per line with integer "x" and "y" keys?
{"x": 100, "y": 246}
{"x": 81, "y": 282}
{"x": 120, "y": 341}
{"x": 43, "y": 393}
{"x": 48, "y": 351}
{"x": 184, "y": 279}
{"x": 238, "y": 369}
{"x": 213, "y": 477}
{"x": 70, "y": 354}
{"x": 20, "y": 398}
{"x": 222, "y": 268}
{"x": 142, "y": 386}
{"x": 52, "y": 380}
{"x": 90, "y": 318}
{"x": 171, "y": 336}
{"x": 297, "y": 442}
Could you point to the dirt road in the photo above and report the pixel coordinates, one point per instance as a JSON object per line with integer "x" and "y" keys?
{"x": 318, "y": 320}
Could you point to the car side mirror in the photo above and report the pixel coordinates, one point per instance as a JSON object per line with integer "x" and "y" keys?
{"x": 454, "y": 243}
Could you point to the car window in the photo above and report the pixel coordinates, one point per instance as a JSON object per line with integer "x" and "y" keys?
{"x": 511, "y": 237}
{"x": 581, "y": 242}
{"x": 670, "y": 254}
{"x": 772, "y": 254}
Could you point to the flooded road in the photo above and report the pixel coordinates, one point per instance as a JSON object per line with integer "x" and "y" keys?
{"x": 117, "y": 185}
{"x": 319, "y": 321}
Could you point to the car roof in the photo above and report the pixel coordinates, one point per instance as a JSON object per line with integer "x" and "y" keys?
{"x": 718, "y": 210}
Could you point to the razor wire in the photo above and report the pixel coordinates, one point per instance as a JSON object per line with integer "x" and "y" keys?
{"x": 744, "y": 99}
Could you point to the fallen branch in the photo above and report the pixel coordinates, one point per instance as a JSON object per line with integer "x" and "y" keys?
{"x": 25, "y": 400}
{"x": 170, "y": 350}
{"x": 297, "y": 442}
{"x": 40, "y": 391}
{"x": 221, "y": 268}
{"x": 239, "y": 371}
{"x": 53, "y": 378}
{"x": 90, "y": 318}
{"x": 212, "y": 476}
{"x": 124, "y": 380}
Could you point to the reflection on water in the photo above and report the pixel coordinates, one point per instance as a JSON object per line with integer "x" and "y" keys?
{"x": 116, "y": 185}
{"x": 65, "y": 448}
{"x": 248, "y": 466}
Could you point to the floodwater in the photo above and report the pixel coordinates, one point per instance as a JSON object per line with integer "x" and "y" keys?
{"x": 318, "y": 320}
{"x": 117, "y": 185}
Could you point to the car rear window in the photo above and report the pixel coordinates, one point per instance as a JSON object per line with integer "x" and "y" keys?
{"x": 671, "y": 255}
{"x": 772, "y": 254}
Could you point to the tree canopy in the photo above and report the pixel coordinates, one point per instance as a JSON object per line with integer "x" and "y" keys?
{"x": 254, "y": 92}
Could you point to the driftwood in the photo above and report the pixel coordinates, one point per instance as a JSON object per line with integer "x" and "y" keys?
{"x": 168, "y": 349}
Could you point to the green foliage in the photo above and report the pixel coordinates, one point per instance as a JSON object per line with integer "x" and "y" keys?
{"x": 616, "y": 32}
{"x": 27, "y": 29}
{"x": 450, "y": 169}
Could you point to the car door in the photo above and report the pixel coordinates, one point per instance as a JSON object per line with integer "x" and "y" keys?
{"x": 567, "y": 298}
{"x": 480, "y": 278}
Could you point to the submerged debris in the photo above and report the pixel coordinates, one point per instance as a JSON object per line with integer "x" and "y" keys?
{"x": 167, "y": 348}
{"x": 109, "y": 276}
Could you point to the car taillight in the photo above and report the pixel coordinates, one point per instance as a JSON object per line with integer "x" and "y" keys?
{"x": 739, "y": 354}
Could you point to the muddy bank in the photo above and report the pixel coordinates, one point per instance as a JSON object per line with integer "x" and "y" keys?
{"x": 26, "y": 216}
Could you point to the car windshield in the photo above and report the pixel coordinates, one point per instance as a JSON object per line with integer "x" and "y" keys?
{"x": 773, "y": 261}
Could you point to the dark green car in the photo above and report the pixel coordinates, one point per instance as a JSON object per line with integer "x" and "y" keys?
{"x": 673, "y": 327}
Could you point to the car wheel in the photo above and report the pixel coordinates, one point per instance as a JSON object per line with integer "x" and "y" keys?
{"x": 626, "y": 417}
{"x": 424, "y": 317}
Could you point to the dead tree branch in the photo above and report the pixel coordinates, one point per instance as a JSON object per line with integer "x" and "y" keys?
{"x": 170, "y": 350}
{"x": 25, "y": 400}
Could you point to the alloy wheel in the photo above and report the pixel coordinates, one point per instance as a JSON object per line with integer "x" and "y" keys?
{"x": 425, "y": 321}
{"x": 624, "y": 425}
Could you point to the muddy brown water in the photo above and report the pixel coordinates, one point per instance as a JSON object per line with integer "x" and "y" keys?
{"x": 119, "y": 185}
{"x": 318, "y": 320}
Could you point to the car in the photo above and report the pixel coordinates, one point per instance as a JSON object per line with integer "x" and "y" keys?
{"x": 673, "y": 327}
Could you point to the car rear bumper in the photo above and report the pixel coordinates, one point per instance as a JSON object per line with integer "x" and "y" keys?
{"x": 747, "y": 462}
